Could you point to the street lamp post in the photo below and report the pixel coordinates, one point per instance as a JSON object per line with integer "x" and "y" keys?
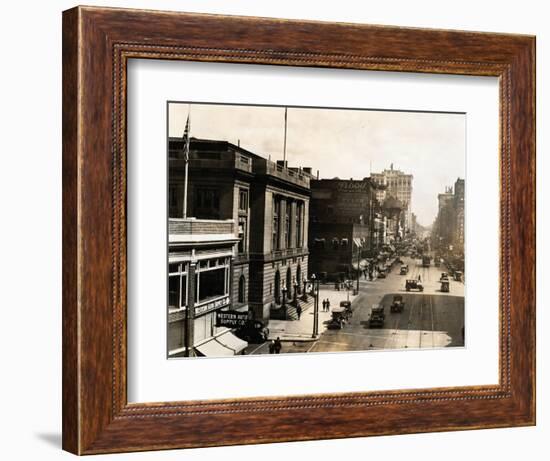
{"x": 304, "y": 294}
{"x": 315, "y": 285}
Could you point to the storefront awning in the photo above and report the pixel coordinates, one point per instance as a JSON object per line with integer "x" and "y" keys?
{"x": 363, "y": 264}
{"x": 230, "y": 341}
{"x": 213, "y": 348}
{"x": 225, "y": 345}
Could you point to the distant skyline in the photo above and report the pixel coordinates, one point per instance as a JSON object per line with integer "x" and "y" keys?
{"x": 344, "y": 143}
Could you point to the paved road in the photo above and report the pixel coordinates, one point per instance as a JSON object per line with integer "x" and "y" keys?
{"x": 430, "y": 319}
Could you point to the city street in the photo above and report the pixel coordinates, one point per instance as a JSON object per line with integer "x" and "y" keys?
{"x": 430, "y": 319}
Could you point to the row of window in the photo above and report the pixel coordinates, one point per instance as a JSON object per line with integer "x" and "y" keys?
{"x": 281, "y": 224}
{"x": 211, "y": 281}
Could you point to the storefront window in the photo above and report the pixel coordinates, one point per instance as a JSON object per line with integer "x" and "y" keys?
{"x": 211, "y": 284}
{"x": 177, "y": 286}
{"x": 212, "y": 279}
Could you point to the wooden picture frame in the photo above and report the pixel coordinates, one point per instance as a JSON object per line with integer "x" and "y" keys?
{"x": 97, "y": 43}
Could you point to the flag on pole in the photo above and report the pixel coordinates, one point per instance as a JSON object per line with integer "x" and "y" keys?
{"x": 186, "y": 140}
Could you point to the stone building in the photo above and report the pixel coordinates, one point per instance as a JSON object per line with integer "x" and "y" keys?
{"x": 268, "y": 202}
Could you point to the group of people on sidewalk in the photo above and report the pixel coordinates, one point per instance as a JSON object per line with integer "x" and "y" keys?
{"x": 326, "y": 305}
{"x": 275, "y": 346}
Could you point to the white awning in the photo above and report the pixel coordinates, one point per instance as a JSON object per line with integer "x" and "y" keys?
{"x": 232, "y": 342}
{"x": 225, "y": 345}
{"x": 213, "y": 348}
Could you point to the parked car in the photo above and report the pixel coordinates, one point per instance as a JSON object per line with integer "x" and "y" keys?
{"x": 404, "y": 269}
{"x": 414, "y": 284}
{"x": 347, "y": 306}
{"x": 458, "y": 276}
{"x": 444, "y": 276}
{"x": 338, "y": 318}
{"x": 444, "y": 286}
{"x": 382, "y": 274}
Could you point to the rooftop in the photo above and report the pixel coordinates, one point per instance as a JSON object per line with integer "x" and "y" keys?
{"x": 216, "y": 154}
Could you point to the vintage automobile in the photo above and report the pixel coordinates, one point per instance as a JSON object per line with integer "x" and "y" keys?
{"x": 377, "y": 316}
{"x": 444, "y": 276}
{"x": 458, "y": 276}
{"x": 404, "y": 269}
{"x": 444, "y": 286}
{"x": 414, "y": 284}
{"x": 347, "y": 306}
{"x": 382, "y": 274}
{"x": 397, "y": 305}
{"x": 338, "y": 318}
{"x": 253, "y": 331}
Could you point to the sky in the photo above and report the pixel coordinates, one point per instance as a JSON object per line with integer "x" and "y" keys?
{"x": 343, "y": 143}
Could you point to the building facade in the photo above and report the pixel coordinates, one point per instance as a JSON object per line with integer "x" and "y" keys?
{"x": 200, "y": 260}
{"x": 396, "y": 184}
{"x": 448, "y": 230}
{"x": 269, "y": 204}
{"x": 345, "y": 226}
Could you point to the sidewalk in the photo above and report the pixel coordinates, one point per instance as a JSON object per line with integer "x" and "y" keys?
{"x": 302, "y": 330}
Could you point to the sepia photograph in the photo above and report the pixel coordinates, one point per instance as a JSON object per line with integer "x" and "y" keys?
{"x": 313, "y": 230}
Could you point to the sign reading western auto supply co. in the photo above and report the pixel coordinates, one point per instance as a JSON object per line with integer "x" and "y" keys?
{"x": 231, "y": 319}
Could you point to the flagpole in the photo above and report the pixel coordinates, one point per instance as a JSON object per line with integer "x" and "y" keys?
{"x": 185, "y": 189}
{"x": 284, "y": 146}
{"x": 186, "y": 135}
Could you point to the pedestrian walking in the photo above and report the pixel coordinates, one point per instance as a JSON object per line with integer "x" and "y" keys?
{"x": 328, "y": 305}
{"x": 419, "y": 278}
{"x": 277, "y": 346}
{"x": 299, "y": 310}
{"x": 272, "y": 347}
{"x": 324, "y": 305}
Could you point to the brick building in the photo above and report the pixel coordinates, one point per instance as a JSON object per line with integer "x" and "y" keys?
{"x": 344, "y": 225}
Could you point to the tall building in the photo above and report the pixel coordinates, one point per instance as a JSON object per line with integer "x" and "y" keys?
{"x": 459, "y": 210}
{"x": 269, "y": 204}
{"x": 397, "y": 184}
{"x": 448, "y": 229}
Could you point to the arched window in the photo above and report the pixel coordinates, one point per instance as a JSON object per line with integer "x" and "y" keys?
{"x": 277, "y": 287}
{"x": 242, "y": 288}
